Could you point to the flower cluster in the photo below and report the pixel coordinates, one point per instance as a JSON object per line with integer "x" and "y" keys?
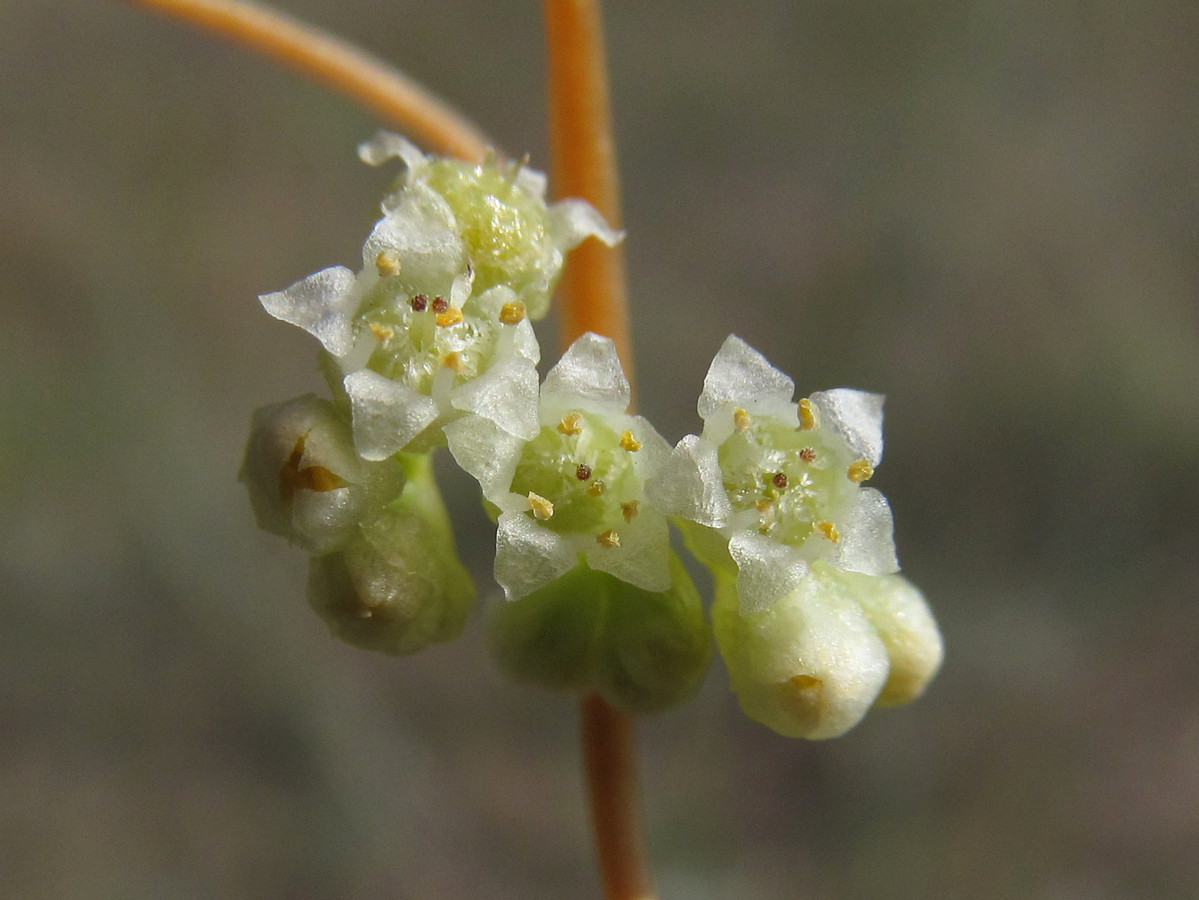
{"x": 431, "y": 344}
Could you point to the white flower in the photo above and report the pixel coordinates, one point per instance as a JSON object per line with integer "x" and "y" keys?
{"x": 780, "y": 481}
{"x": 575, "y": 488}
{"x": 436, "y": 323}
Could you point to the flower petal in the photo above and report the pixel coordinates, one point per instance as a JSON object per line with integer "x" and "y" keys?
{"x": 486, "y": 452}
{"x": 385, "y": 145}
{"x": 857, "y": 416}
{"x": 323, "y": 304}
{"x": 766, "y": 570}
{"x": 690, "y": 485}
{"x": 741, "y": 376}
{"x": 386, "y": 414}
{"x": 588, "y": 374}
{"x": 573, "y": 220}
{"x": 506, "y": 394}
{"x": 528, "y": 556}
{"x": 643, "y": 557}
{"x": 867, "y": 541}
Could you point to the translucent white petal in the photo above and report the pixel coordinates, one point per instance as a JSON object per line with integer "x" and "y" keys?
{"x": 741, "y": 376}
{"x": 857, "y": 416}
{"x": 531, "y": 181}
{"x": 385, "y": 145}
{"x": 689, "y": 484}
{"x": 386, "y": 414}
{"x": 572, "y": 220}
{"x": 506, "y": 394}
{"x": 528, "y": 556}
{"x": 431, "y": 255}
{"x": 766, "y": 570}
{"x": 654, "y": 451}
{"x": 589, "y": 375}
{"x": 486, "y": 452}
{"x": 643, "y": 557}
{"x": 867, "y": 536}
{"x": 323, "y": 304}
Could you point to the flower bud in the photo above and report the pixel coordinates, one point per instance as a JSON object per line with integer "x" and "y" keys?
{"x": 589, "y": 632}
{"x": 398, "y": 585}
{"x": 304, "y": 479}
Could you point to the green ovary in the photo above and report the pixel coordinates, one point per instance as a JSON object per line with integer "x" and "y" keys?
{"x": 502, "y": 225}
{"x": 765, "y": 469}
{"x": 549, "y": 468}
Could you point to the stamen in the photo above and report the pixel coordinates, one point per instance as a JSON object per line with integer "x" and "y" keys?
{"x": 628, "y": 442}
{"x": 779, "y": 480}
{"x": 440, "y": 304}
{"x": 452, "y": 361}
{"x": 741, "y": 419}
{"x": 806, "y": 686}
{"x": 809, "y": 417}
{"x": 583, "y": 472}
{"x": 382, "y": 332}
{"x": 388, "y": 263}
{"x": 310, "y": 478}
{"x": 763, "y": 505}
{"x": 511, "y": 313}
{"x": 419, "y": 303}
{"x": 807, "y": 454}
{"x": 630, "y": 509}
{"x": 571, "y": 424}
{"x": 596, "y": 488}
{"x": 860, "y": 471}
{"x": 542, "y": 508}
{"x": 608, "y": 538}
{"x": 450, "y": 317}
{"x": 829, "y": 530}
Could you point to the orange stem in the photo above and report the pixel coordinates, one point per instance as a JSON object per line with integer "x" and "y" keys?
{"x": 583, "y": 157}
{"x": 393, "y": 96}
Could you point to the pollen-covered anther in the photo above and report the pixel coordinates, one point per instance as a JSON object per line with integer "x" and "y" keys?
{"x": 608, "y": 538}
{"x": 779, "y": 480}
{"x": 571, "y": 424}
{"x": 450, "y": 317}
{"x": 452, "y": 361}
{"x": 542, "y": 508}
{"x": 829, "y": 530}
{"x": 596, "y": 489}
{"x": 809, "y": 418}
{"x": 388, "y": 263}
{"x": 805, "y": 685}
{"x": 419, "y": 303}
{"x": 860, "y": 471}
{"x": 807, "y": 454}
{"x": 512, "y": 313}
{"x": 630, "y": 509}
{"x": 382, "y": 332}
{"x": 583, "y": 472}
{"x": 440, "y": 304}
{"x": 763, "y": 504}
{"x": 741, "y": 419}
{"x": 628, "y": 442}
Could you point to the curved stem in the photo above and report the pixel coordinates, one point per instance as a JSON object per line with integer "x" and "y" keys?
{"x": 388, "y": 93}
{"x": 583, "y": 157}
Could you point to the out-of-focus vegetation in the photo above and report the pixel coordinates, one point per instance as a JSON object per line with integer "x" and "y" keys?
{"x": 988, "y": 211}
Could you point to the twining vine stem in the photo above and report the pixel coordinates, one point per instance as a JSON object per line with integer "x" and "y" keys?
{"x": 593, "y": 284}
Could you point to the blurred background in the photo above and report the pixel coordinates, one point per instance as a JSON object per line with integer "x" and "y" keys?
{"x": 987, "y": 211}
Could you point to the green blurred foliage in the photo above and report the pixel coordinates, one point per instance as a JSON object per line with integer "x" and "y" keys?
{"x": 987, "y": 211}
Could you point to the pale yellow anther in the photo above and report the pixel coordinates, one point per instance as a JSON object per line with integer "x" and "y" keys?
{"x": 741, "y": 419}
{"x": 805, "y": 685}
{"x": 809, "y": 418}
{"x": 596, "y": 489}
{"x": 388, "y": 263}
{"x": 452, "y": 361}
{"x": 511, "y": 313}
{"x": 571, "y": 424}
{"x": 630, "y": 509}
{"x": 860, "y": 471}
{"x": 451, "y": 316}
{"x": 608, "y": 538}
{"x": 542, "y": 508}
{"x": 763, "y": 505}
{"x": 628, "y": 442}
{"x": 382, "y": 332}
{"x": 829, "y": 530}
